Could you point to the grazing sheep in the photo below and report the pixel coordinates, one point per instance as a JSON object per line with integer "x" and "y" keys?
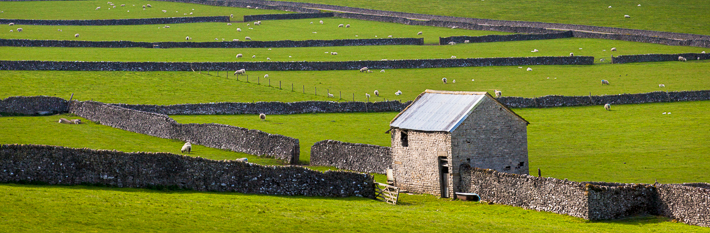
{"x": 76, "y": 35}
{"x": 235, "y": 39}
{"x": 59, "y": 30}
{"x": 187, "y": 38}
{"x": 10, "y": 30}
{"x": 268, "y": 59}
{"x": 231, "y": 15}
{"x": 122, "y": 5}
{"x": 247, "y": 38}
{"x": 452, "y": 43}
{"x": 680, "y": 58}
{"x": 466, "y": 41}
{"x": 627, "y": 16}
{"x": 367, "y": 95}
{"x": 605, "y": 82}
{"x": 363, "y": 69}
{"x": 19, "y": 29}
{"x": 253, "y": 56}
{"x": 239, "y": 29}
{"x": 266, "y": 76}
{"x": 454, "y": 27}
{"x": 398, "y": 92}
{"x": 607, "y": 107}
{"x": 453, "y": 57}
{"x": 166, "y": 26}
{"x": 257, "y": 23}
{"x": 498, "y": 93}
{"x": 609, "y": 7}
{"x": 248, "y": 6}
{"x": 369, "y": 71}
{"x": 148, "y": 5}
{"x": 229, "y": 24}
{"x": 601, "y": 59}
{"x": 534, "y": 51}
{"x": 340, "y": 25}
{"x": 453, "y": 81}
{"x": 73, "y": 122}
{"x": 186, "y": 148}
{"x": 144, "y": 7}
{"x": 240, "y": 71}
{"x": 333, "y": 53}
{"x": 262, "y": 116}
{"x": 347, "y": 25}
{"x": 97, "y": 8}
{"x": 702, "y": 52}
{"x": 419, "y": 33}
{"x": 529, "y": 69}
{"x": 164, "y": 11}
{"x": 377, "y": 93}
{"x": 661, "y": 85}
{"x": 443, "y": 80}
{"x": 239, "y": 55}
{"x": 321, "y": 22}
{"x": 382, "y": 71}
{"x": 330, "y": 95}
{"x": 639, "y": 5}
{"x": 613, "y": 49}
{"x": 571, "y": 54}
{"x": 390, "y": 36}
{"x": 12, "y": 24}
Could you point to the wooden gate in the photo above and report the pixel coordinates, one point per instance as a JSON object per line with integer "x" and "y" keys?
{"x": 387, "y": 193}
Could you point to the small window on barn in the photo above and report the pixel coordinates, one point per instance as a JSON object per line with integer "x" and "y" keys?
{"x": 405, "y": 139}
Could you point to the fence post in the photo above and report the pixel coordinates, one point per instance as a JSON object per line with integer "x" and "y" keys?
{"x": 304, "y": 89}
{"x": 247, "y": 78}
{"x": 353, "y": 97}
{"x": 269, "y": 82}
{"x": 279, "y": 85}
{"x": 257, "y": 80}
{"x": 316, "y": 90}
{"x": 341, "y": 95}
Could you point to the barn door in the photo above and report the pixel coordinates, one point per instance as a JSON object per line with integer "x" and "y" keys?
{"x": 444, "y": 176}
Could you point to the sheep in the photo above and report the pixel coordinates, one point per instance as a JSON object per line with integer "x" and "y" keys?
{"x": 19, "y": 29}
{"x": 340, "y": 25}
{"x": 443, "y": 80}
{"x": 262, "y": 116}
{"x": 529, "y": 69}
{"x": 65, "y": 121}
{"x": 10, "y": 30}
{"x": 76, "y": 35}
{"x": 186, "y": 148}
{"x": 122, "y": 5}
{"x": 702, "y": 52}
{"x": 398, "y": 92}
{"x": 613, "y": 49}
{"x": 239, "y": 29}
{"x": 333, "y": 53}
{"x": 382, "y": 71}
{"x": 148, "y": 5}
{"x": 347, "y": 25}
{"x": 609, "y": 7}
{"x": 367, "y": 95}
{"x": 330, "y": 95}
{"x": 498, "y": 93}
{"x": 97, "y": 8}
{"x": 453, "y": 81}
{"x": 164, "y": 11}
{"x": 661, "y": 85}
{"x": 268, "y": 59}
{"x": 607, "y": 107}
{"x": 247, "y": 38}
{"x": 369, "y": 71}
{"x": 571, "y": 54}
{"x": 534, "y": 51}
{"x": 639, "y": 5}
{"x": 452, "y": 43}
{"x": 466, "y": 41}
{"x": 601, "y": 59}
{"x": 419, "y": 33}
{"x": 144, "y": 7}
{"x": 249, "y": 7}
{"x": 453, "y": 57}
{"x": 12, "y": 24}
{"x": 257, "y": 23}
{"x": 390, "y": 36}
{"x": 166, "y": 26}
{"x": 231, "y": 15}
{"x": 240, "y": 71}
{"x": 363, "y": 69}
{"x": 239, "y": 55}
{"x": 680, "y": 58}
{"x": 59, "y": 30}
{"x": 187, "y": 38}
{"x": 321, "y": 22}
{"x": 454, "y": 27}
{"x": 377, "y": 93}
{"x": 627, "y": 16}
{"x": 235, "y": 39}
{"x": 253, "y": 56}
{"x": 229, "y": 24}
{"x": 266, "y": 76}
{"x": 605, "y": 82}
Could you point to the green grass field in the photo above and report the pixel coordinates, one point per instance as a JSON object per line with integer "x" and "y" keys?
{"x": 658, "y": 15}
{"x": 67, "y": 10}
{"x": 32, "y": 208}
{"x": 301, "y": 29}
{"x": 165, "y": 88}
{"x": 559, "y": 47}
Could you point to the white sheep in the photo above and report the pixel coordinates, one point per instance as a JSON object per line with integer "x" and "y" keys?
{"x": 382, "y": 71}
{"x": 571, "y": 54}
{"x": 443, "y": 80}
{"x": 369, "y": 71}
{"x": 454, "y": 27}
{"x": 148, "y": 5}
{"x": 187, "y": 38}
{"x": 122, "y": 5}
{"x": 453, "y": 57}
{"x": 702, "y": 52}
{"x": 453, "y": 81}
{"x": 534, "y": 51}
{"x": 609, "y": 7}
{"x": 529, "y": 69}
{"x": 613, "y": 49}
{"x": 240, "y": 71}
{"x": 452, "y": 43}
{"x": 333, "y": 53}
{"x": 229, "y": 24}
{"x": 19, "y": 29}
{"x": 340, "y": 25}
{"x": 466, "y": 41}
{"x": 605, "y": 82}
{"x": 247, "y": 38}
{"x": 377, "y": 93}
{"x": 627, "y": 16}
{"x": 390, "y": 36}
{"x": 231, "y": 15}
{"x": 59, "y": 30}
{"x": 235, "y": 39}
{"x": 321, "y": 22}
{"x": 248, "y": 6}
{"x": 661, "y": 85}
{"x": 76, "y": 35}
{"x": 97, "y": 8}
{"x": 330, "y": 95}
{"x": 239, "y": 55}
{"x": 143, "y": 6}
{"x": 268, "y": 59}
{"x": 10, "y": 30}
{"x": 607, "y": 107}
{"x": 257, "y": 23}
{"x": 239, "y": 29}
{"x": 65, "y": 121}
{"x": 639, "y": 5}
{"x": 398, "y": 92}
{"x": 420, "y": 32}
{"x": 166, "y": 26}
{"x": 498, "y": 93}
{"x": 363, "y": 69}
{"x": 164, "y": 11}
{"x": 186, "y": 148}
{"x": 347, "y": 25}
{"x": 12, "y": 24}
{"x": 680, "y": 58}
{"x": 266, "y": 76}
{"x": 253, "y": 56}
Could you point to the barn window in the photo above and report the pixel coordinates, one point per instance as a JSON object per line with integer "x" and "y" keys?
{"x": 404, "y": 138}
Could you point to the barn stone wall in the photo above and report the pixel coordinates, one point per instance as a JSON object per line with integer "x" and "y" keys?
{"x": 68, "y": 166}
{"x": 351, "y": 156}
{"x": 98, "y": 22}
{"x": 223, "y": 44}
{"x": 211, "y": 135}
{"x": 416, "y": 166}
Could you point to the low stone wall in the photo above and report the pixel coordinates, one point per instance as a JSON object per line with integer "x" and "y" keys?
{"x": 504, "y": 38}
{"x": 617, "y": 200}
{"x": 211, "y": 135}
{"x": 566, "y": 101}
{"x": 286, "y": 16}
{"x": 351, "y": 156}
{"x": 33, "y": 105}
{"x": 658, "y": 57}
{"x": 95, "y": 22}
{"x": 286, "y": 66}
{"x": 270, "y": 107}
{"x": 224, "y": 44}
{"x": 250, "y": 4}
{"x": 688, "y": 203}
{"x": 67, "y": 166}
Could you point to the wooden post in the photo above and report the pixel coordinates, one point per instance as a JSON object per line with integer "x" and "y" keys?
{"x": 353, "y": 97}
{"x": 269, "y": 82}
{"x": 279, "y": 85}
{"x": 316, "y": 90}
{"x": 72, "y": 97}
{"x": 257, "y": 80}
{"x": 291, "y": 87}
{"x": 247, "y": 78}
{"x": 341, "y": 95}
{"x": 304, "y": 89}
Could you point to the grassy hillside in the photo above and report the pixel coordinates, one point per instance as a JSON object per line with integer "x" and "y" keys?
{"x": 268, "y": 30}
{"x": 32, "y": 208}
{"x": 133, "y": 9}
{"x": 188, "y": 87}
{"x": 658, "y": 15}
{"x": 631, "y": 143}
{"x": 600, "y": 49}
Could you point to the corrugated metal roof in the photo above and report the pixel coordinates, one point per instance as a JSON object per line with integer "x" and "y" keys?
{"x": 438, "y": 111}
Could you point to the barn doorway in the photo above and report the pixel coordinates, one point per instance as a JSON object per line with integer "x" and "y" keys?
{"x": 444, "y": 176}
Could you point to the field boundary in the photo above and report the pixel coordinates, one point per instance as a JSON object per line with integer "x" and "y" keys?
{"x": 223, "y": 44}
{"x": 351, "y": 156}
{"x": 504, "y": 38}
{"x": 101, "y": 22}
{"x": 621, "y": 59}
{"x": 56, "y": 165}
{"x": 287, "y": 16}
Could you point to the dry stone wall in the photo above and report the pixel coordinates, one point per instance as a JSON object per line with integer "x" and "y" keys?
{"x": 658, "y": 57}
{"x": 211, "y": 135}
{"x": 618, "y": 200}
{"x": 565, "y": 101}
{"x": 99, "y": 22}
{"x": 286, "y": 16}
{"x": 504, "y": 38}
{"x": 689, "y": 203}
{"x": 33, "y": 105}
{"x": 271, "y": 107}
{"x": 68, "y": 166}
{"x": 351, "y": 156}
{"x": 286, "y": 66}
{"x": 223, "y": 44}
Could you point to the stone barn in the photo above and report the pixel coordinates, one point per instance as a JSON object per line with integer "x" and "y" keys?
{"x": 442, "y": 130}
